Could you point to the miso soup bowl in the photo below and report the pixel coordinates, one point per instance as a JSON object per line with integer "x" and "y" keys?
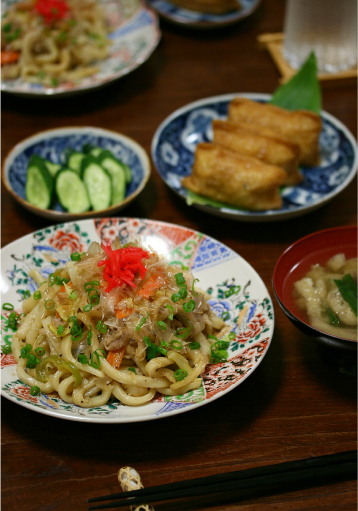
{"x": 296, "y": 261}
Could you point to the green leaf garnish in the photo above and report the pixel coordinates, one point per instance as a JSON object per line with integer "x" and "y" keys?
{"x": 348, "y": 290}
{"x": 302, "y": 91}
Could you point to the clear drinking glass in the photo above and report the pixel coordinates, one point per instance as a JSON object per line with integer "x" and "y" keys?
{"x": 329, "y": 27}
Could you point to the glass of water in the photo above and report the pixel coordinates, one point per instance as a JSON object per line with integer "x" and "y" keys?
{"x": 327, "y": 27}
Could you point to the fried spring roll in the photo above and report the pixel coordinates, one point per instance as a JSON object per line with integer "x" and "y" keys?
{"x": 209, "y": 6}
{"x": 250, "y": 140}
{"x": 230, "y": 177}
{"x": 299, "y": 127}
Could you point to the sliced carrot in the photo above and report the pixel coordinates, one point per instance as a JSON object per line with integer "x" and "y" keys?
{"x": 154, "y": 283}
{"x": 123, "y": 313}
{"x": 9, "y": 57}
{"x": 115, "y": 357}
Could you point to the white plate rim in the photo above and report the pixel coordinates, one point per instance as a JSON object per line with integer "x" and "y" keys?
{"x": 96, "y": 419}
{"x": 243, "y": 215}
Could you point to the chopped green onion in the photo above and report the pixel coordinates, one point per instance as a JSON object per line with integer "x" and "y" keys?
{"x": 162, "y": 325}
{"x": 60, "y": 329}
{"x": 83, "y": 359}
{"x": 179, "y": 279}
{"x": 147, "y": 340}
{"x": 194, "y": 345}
{"x": 40, "y": 351}
{"x": 101, "y": 327}
{"x": 25, "y": 351}
{"x": 97, "y": 364}
{"x": 89, "y": 336}
{"x": 8, "y": 306}
{"x": 175, "y": 297}
{"x": 27, "y": 293}
{"x": 141, "y": 323}
{"x": 189, "y": 306}
{"x": 94, "y": 300}
{"x": 32, "y": 361}
{"x": 225, "y": 315}
{"x": 176, "y": 344}
{"x": 333, "y": 319}
{"x": 73, "y": 295}
{"x": 35, "y": 390}
{"x": 49, "y": 304}
{"x": 76, "y": 256}
{"x": 132, "y": 369}
{"x": 183, "y": 292}
{"x": 180, "y": 374}
{"x": 58, "y": 280}
{"x": 163, "y": 348}
{"x": 171, "y": 316}
{"x": 192, "y": 287}
{"x": 212, "y": 337}
{"x": 87, "y": 307}
{"x": 182, "y": 333}
{"x": 6, "y": 349}
{"x": 51, "y": 279}
{"x": 151, "y": 351}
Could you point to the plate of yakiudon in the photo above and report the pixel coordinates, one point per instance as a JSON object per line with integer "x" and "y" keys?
{"x": 239, "y": 157}
{"x": 123, "y": 320}
{"x": 62, "y": 47}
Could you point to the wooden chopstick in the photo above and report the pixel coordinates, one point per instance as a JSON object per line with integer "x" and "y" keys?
{"x": 281, "y": 474}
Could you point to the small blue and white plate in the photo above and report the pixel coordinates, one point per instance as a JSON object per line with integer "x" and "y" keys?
{"x": 180, "y": 16}
{"x": 51, "y": 144}
{"x": 175, "y": 141}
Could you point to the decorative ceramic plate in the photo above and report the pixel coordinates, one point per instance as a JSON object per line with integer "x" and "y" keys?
{"x": 195, "y": 19}
{"x": 175, "y": 140}
{"x": 51, "y": 145}
{"x": 134, "y": 37}
{"x": 234, "y": 286}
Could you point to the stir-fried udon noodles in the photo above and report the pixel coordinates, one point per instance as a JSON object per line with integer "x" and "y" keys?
{"x": 53, "y": 41}
{"x": 117, "y": 322}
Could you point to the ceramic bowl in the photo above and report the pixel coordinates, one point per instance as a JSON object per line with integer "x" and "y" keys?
{"x": 316, "y": 248}
{"x": 51, "y": 144}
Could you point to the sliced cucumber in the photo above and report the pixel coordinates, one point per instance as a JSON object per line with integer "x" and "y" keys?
{"x": 53, "y": 168}
{"x": 72, "y": 192}
{"x": 92, "y": 149}
{"x": 128, "y": 173}
{"x": 98, "y": 183}
{"x": 39, "y": 183}
{"x": 117, "y": 172}
{"x": 74, "y": 161}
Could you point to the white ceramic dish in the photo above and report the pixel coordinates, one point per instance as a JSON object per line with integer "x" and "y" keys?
{"x": 175, "y": 140}
{"x": 200, "y": 20}
{"x": 135, "y": 36}
{"x": 51, "y": 144}
{"x": 234, "y": 286}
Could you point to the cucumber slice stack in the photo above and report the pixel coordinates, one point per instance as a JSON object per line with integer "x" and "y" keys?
{"x": 92, "y": 179}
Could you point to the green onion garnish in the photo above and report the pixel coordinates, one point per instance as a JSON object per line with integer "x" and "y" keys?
{"x": 192, "y": 287}
{"x": 51, "y": 278}
{"x": 189, "y": 306}
{"x": 60, "y": 329}
{"x": 171, "y": 316}
{"x": 182, "y": 333}
{"x": 183, "y": 292}
{"x": 101, "y": 327}
{"x": 141, "y": 323}
{"x": 49, "y": 304}
{"x": 35, "y": 390}
{"x": 8, "y": 306}
{"x": 176, "y": 344}
{"x": 179, "y": 279}
{"x": 175, "y": 297}
{"x": 40, "y": 351}
{"x": 87, "y": 307}
{"x": 6, "y": 349}
{"x": 27, "y": 293}
{"x": 32, "y": 361}
{"x": 76, "y": 256}
{"x": 180, "y": 374}
{"x": 147, "y": 340}
{"x": 25, "y": 351}
{"x": 97, "y": 364}
{"x": 73, "y": 295}
{"x": 194, "y": 345}
{"x": 132, "y": 369}
{"x": 348, "y": 289}
{"x": 89, "y": 336}
{"x": 151, "y": 351}
{"x": 225, "y": 315}
{"x": 162, "y": 325}
{"x": 83, "y": 359}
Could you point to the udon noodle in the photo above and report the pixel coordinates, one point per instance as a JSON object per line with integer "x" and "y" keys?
{"x": 53, "y": 41}
{"x": 117, "y": 322}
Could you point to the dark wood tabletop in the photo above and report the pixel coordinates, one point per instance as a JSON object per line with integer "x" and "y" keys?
{"x": 300, "y": 401}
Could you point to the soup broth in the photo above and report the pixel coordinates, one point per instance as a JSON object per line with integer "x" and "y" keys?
{"x": 328, "y": 295}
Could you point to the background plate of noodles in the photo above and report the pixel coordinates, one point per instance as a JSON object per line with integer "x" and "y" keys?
{"x": 236, "y": 294}
{"x": 92, "y": 43}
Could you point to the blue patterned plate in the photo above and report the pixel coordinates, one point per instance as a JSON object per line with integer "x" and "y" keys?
{"x": 235, "y": 289}
{"x": 195, "y": 19}
{"x": 135, "y": 35}
{"x": 51, "y": 144}
{"x": 175, "y": 140}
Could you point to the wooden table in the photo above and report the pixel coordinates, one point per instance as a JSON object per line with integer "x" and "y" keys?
{"x": 296, "y": 404}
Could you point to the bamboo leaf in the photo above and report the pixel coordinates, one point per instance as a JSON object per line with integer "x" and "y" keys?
{"x": 302, "y": 91}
